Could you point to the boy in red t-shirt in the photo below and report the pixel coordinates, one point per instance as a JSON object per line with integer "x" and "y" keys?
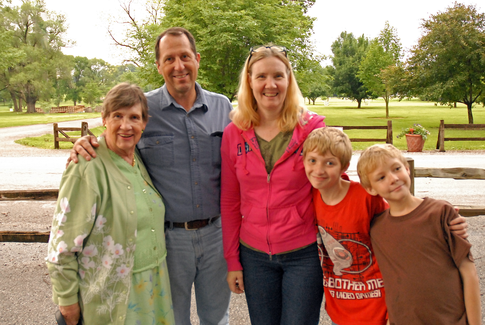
{"x": 428, "y": 271}
{"x": 353, "y": 285}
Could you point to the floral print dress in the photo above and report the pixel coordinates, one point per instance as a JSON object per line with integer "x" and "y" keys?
{"x": 107, "y": 245}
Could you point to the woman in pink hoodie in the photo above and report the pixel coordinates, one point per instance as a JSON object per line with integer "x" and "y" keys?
{"x": 266, "y": 204}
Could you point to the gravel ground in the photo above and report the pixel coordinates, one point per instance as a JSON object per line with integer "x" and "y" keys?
{"x": 25, "y": 288}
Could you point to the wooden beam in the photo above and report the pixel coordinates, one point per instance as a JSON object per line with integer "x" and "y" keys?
{"x": 44, "y": 195}
{"x": 455, "y": 173}
{"x": 24, "y": 236}
{"x": 471, "y": 211}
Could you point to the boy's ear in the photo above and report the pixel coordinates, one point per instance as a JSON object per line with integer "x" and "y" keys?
{"x": 371, "y": 191}
{"x": 344, "y": 169}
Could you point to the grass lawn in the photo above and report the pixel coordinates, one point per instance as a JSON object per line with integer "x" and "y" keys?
{"x": 339, "y": 112}
{"x": 8, "y": 118}
{"x": 47, "y": 140}
{"x": 403, "y": 114}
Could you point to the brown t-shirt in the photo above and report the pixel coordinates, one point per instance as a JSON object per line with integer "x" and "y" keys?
{"x": 419, "y": 259}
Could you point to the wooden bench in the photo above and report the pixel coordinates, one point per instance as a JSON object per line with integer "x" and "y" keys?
{"x": 387, "y": 139}
{"x": 84, "y": 131}
{"x": 440, "y": 144}
{"x": 455, "y": 173}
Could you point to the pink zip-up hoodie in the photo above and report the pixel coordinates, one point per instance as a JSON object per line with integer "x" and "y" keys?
{"x": 273, "y": 213}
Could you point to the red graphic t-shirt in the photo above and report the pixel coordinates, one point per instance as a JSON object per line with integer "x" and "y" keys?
{"x": 354, "y": 289}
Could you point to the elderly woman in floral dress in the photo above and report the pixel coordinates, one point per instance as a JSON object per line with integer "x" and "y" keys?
{"x": 106, "y": 253}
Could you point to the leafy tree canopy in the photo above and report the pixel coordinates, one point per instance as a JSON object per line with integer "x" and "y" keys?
{"x": 224, "y": 31}
{"x": 448, "y": 63}
{"x": 35, "y": 36}
{"x": 378, "y": 66}
{"x": 348, "y": 52}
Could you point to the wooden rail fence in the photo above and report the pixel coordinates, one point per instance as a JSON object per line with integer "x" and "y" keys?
{"x": 440, "y": 144}
{"x": 388, "y": 128}
{"x": 84, "y": 131}
{"x": 51, "y": 194}
{"x": 455, "y": 173}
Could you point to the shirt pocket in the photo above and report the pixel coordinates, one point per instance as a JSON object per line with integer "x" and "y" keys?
{"x": 216, "y": 140}
{"x": 159, "y": 148}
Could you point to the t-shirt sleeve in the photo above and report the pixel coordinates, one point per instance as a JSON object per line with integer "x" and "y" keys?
{"x": 459, "y": 247}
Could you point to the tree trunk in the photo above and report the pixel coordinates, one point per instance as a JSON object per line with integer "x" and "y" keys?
{"x": 359, "y": 101}
{"x": 16, "y": 107}
{"x": 31, "y": 100}
{"x": 470, "y": 113}
{"x": 74, "y": 102}
{"x": 386, "y": 99}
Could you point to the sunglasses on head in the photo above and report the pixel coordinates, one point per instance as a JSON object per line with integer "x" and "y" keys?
{"x": 255, "y": 49}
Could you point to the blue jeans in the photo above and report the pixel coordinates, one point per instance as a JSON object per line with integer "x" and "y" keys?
{"x": 285, "y": 289}
{"x": 196, "y": 257}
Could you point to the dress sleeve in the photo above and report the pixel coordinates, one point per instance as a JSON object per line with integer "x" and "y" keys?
{"x": 230, "y": 206}
{"x": 73, "y": 221}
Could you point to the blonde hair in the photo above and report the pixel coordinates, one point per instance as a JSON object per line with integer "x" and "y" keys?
{"x": 373, "y": 157}
{"x": 245, "y": 115}
{"x": 328, "y": 139}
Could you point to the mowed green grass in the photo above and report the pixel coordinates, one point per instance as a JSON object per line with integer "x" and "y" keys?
{"x": 403, "y": 114}
{"x": 8, "y": 118}
{"x": 47, "y": 140}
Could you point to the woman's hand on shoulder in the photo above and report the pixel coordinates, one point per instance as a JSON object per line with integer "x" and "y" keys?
{"x": 71, "y": 313}
{"x": 235, "y": 281}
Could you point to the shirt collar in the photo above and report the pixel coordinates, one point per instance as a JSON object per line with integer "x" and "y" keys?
{"x": 200, "y": 101}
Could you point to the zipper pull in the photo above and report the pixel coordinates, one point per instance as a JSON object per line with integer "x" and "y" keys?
{"x": 268, "y": 178}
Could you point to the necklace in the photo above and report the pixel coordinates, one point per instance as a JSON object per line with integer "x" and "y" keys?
{"x": 134, "y": 161}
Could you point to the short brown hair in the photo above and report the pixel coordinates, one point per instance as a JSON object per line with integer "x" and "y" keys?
{"x": 125, "y": 95}
{"x": 374, "y": 156}
{"x": 328, "y": 139}
{"x": 175, "y": 31}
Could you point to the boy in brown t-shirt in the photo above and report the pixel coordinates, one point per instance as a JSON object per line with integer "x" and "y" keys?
{"x": 428, "y": 272}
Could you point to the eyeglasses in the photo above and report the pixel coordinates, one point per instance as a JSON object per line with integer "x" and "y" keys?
{"x": 255, "y": 49}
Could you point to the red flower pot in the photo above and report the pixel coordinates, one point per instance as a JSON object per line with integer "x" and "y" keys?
{"x": 415, "y": 142}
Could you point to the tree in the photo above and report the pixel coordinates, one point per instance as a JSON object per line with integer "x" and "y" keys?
{"x": 347, "y": 55}
{"x": 224, "y": 30}
{"x": 378, "y": 66}
{"x": 37, "y": 33}
{"x": 447, "y": 64}
{"x": 314, "y": 82}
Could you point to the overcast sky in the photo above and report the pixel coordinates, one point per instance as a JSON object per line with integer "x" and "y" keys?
{"x": 88, "y": 21}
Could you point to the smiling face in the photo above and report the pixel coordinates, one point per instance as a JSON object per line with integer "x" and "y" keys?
{"x": 323, "y": 171}
{"x": 178, "y": 65}
{"x": 269, "y": 82}
{"x": 390, "y": 180}
{"x": 123, "y": 130}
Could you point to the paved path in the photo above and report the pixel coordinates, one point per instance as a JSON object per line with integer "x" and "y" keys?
{"x": 24, "y": 283}
{"x": 32, "y": 168}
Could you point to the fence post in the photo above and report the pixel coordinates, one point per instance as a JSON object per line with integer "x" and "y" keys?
{"x": 84, "y": 129}
{"x": 389, "y": 132}
{"x": 411, "y": 173}
{"x": 56, "y": 136}
{"x": 441, "y": 137}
